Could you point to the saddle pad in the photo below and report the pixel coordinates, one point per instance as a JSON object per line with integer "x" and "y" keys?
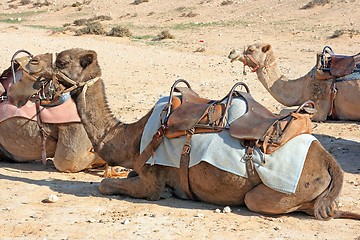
{"x": 63, "y": 113}
{"x": 281, "y": 171}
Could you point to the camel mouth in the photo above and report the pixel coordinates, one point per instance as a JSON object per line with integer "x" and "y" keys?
{"x": 234, "y": 55}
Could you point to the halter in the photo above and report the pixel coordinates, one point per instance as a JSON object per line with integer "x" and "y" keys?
{"x": 248, "y": 57}
{"x": 56, "y": 90}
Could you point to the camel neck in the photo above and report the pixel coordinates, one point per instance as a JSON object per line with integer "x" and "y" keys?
{"x": 116, "y": 142}
{"x": 287, "y": 92}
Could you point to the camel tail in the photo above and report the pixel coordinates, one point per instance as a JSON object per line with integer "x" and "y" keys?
{"x": 345, "y": 214}
{"x": 326, "y": 202}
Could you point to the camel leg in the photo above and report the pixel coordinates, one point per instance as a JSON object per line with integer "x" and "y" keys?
{"x": 149, "y": 185}
{"x": 311, "y": 185}
{"x": 74, "y": 150}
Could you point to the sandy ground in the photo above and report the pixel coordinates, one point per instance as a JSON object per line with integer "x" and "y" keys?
{"x": 137, "y": 71}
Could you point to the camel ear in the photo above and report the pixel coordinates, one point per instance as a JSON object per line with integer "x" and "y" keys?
{"x": 266, "y": 48}
{"x": 87, "y": 59}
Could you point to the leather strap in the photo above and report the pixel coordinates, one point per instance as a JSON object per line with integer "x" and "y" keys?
{"x": 184, "y": 165}
{"x": 141, "y": 160}
{"x": 250, "y": 169}
{"x": 332, "y": 112}
{"x": 42, "y": 132}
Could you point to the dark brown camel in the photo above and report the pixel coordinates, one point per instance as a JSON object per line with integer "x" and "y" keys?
{"x": 119, "y": 143}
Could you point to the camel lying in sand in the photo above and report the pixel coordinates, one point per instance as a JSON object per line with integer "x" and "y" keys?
{"x": 261, "y": 58}
{"x": 119, "y": 143}
{"x": 66, "y": 143}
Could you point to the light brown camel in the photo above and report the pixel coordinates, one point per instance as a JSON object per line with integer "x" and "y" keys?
{"x": 119, "y": 143}
{"x": 261, "y": 58}
{"x": 67, "y": 144}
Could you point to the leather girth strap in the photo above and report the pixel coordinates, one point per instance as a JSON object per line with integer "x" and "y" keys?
{"x": 149, "y": 151}
{"x": 253, "y": 176}
{"x": 332, "y": 112}
{"x": 184, "y": 165}
{"x": 184, "y": 160}
{"x": 43, "y": 133}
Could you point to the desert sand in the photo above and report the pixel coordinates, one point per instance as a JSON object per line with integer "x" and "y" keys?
{"x": 137, "y": 71}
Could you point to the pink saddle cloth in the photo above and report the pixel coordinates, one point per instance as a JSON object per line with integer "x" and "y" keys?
{"x": 63, "y": 113}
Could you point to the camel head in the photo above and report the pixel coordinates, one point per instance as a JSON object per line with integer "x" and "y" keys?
{"x": 254, "y": 56}
{"x": 77, "y": 65}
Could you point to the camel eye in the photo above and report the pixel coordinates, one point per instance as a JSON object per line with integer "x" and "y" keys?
{"x": 250, "y": 50}
{"x": 61, "y": 64}
{"x": 34, "y": 61}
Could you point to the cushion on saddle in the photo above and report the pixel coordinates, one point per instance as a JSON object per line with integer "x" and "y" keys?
{"x": 281, "y": 171}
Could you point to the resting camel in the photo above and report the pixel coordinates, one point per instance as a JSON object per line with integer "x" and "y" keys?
{"x": 66, "y": 143}
{"x": 261, "y": 58}
{"x": 119, "y": 143}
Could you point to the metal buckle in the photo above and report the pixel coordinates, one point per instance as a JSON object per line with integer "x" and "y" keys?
{"x": 248, "y": 157}
{"x": 3, "y": 98}
{"x": 186, "y": 149}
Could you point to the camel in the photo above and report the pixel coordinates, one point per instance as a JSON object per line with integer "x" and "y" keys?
{"x": 261, "y": 58}
{"x": 119, "y": 144}
{"x": 66, "y": 143}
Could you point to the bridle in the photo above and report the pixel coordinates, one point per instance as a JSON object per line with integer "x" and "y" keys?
{"x": 56, "y": 89}
{"x": 247, "y": 57}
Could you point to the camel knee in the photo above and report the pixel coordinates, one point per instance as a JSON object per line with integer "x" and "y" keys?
{"x": 68, "y": 166}
{"x": 262, "y": 199}
{"x": 252, "y": 203}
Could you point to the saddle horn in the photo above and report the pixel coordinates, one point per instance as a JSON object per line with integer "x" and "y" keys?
{"x": 13, "y": 60}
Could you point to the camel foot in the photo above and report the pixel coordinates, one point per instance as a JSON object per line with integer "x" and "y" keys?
{"x": 111, "y": 172}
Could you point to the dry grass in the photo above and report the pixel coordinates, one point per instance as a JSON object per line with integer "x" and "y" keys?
{"x": 40, "y": 4}
{"x": 120, "y": 32}
{"x": 350, "y": 32}
{"x": 190, "y": 14}
{"x": 137, "y": 2}
{"x": 314, "y": 3}
{"x": 25, "y": 2}
{"x": 82, "y": 22}
{"x": 165, "y": 35}
{"x": 227, "y": 2}
{"x": 92, "y": 28}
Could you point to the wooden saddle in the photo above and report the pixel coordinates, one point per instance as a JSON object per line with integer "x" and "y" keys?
{"x": 190, "y": 114}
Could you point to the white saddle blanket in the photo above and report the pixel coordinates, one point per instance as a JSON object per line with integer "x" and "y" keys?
{"x": 281, "y": 171}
